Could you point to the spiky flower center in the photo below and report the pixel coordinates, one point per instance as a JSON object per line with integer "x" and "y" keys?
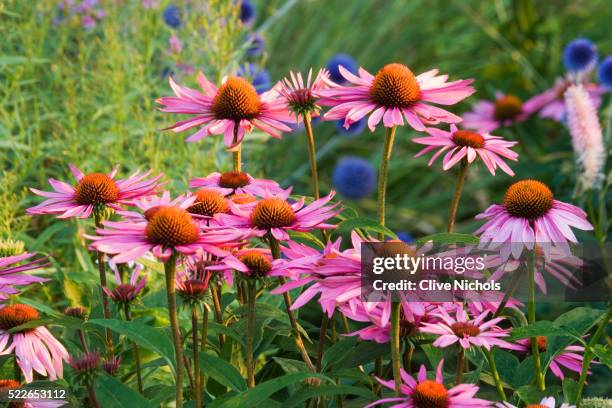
{"x": 395, "y": 86}
{"x": 469, "y": 139}
{"x": 272, "y": 212}
{"x": 243, "y": 198}
{"x": 465, "y": 329}
{"x": 17, "y": 314}
{"x": 77, "y": 312}
{"x": 233, "y": 179}
{"x": 528, "y": 199}
{"x": 301, "y": 101}
{"x": 111, "y": 364}
{"x": 430, "y": 394}
{"x": 258, "y": 264}
{"x": 124, "y": 293}
{"x": 96, "y": 188}
{"x": 507, "y": 108}
{"x": 541, "y": 341}
{"x": 194, "y": 287}
{"x": 236, "y": 100}
{"x": 208, "y": 203}
{"x": 171, "y": 226}
{"x": 85, "y": 364}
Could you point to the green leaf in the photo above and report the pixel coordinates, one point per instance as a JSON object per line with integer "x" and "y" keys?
{"x": 525, "y": 373}
{"x": 336, "y": 352}
{"x": 327, "y": 390}
{"x": 570, "y": 390}
{"x": 111, "y": 393}
{"x": 506, "y": 364}
{"x": 604, "y": 353}
{"x": 255, "y": 397}
{"x": 449, "y": 238}
{"x": 530, "y": 394}
{"x": 222, "y": 372}
{"x": 154, "y": 339}
{"x": 63, "y": 321}
{"x": 541, "y": 328}
{"x": 365, "y": 224}
{"x": 306, "y": 238}
{"x": 290, "y": 366}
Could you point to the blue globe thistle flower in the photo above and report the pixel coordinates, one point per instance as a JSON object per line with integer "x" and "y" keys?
{"x": 259, "y": 77}
{"x": 354, "y": 178}
{"x": 405, "y": 236}
{"x": 340, "y": 59}
{"x": 172, "y": 16}
{"x": 247, "y": 12}
{"x": 354, "y": 129}
{"x": 579, "y": 54}
{"x": 256, "y": 45}
{"x": 604, "y": 73}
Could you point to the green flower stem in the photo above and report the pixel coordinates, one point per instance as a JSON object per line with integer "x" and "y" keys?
{"x": 196, "y": 356}
{"x": 237, "y": 153}
{"x": 460, "y": 364}
{"x": 203, "y": 345}
{"x": 275, "y": 249}
{"x": 458, "y": 188}
{"x": 395, "y": 345}
{"x": 128, "y": 317}
{"x": 313, "y": 158}
{"x": 382, "y": 177}
{"x": 105, "y": 302}
{"x": 215, "y": 292}
{"x": 170, "y": 269}
{"x": 322, "y": 338}
{"x": 588, "y": 353}
{"x": 498, "y": 384}
{"x": 91, "y": 393}
{"x": 251, "y": 296}
{"x": 532, "y": 318}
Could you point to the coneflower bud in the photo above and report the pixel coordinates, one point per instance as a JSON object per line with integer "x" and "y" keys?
{"x": 85, "y": 366}
{"x": 586, "y": 135}
{"x": 111, "y": 364}
{"x": 8, "y": 247}
{"x": 78, "y": 312}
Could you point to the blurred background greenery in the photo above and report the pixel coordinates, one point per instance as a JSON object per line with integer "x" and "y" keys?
{"x": 85, "y": 95}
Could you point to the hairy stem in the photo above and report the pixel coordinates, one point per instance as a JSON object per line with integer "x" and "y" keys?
{"x": 313, "y": 158}
{"x": 170, "y": 269}
{"x": 196, "y": 357}
{"x": 128, "y": 317}
{"x": 91, "y": 393}
{"x": 322, "y": 336}
{"x": 105, "y": 303}
{"x": 460, "y": 365}
{"x": 252, "y": 294}
{"x": 457, "y": 195}
{"x": 382, "y": 177}
{"x": 203, "y": 347}
{"x": 275, "y": 249}
{"x": 395, "y": 345}
{"x": 532, "y": 318}
{"x": 237, "y": 152}
{"x": 495, "y": 373}
{"x": 215, "y": 292}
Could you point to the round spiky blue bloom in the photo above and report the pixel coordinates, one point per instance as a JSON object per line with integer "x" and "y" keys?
{"x": 340, "y": 59}
{"x": 604, "y": 73}
{"x": 172, "y": 16}
{"x": 354, "y": 178}
{"x": 259, "y": 77}
{"x": 405, "y": 236}
{"x": 247, "y": 12}
{"x": 579, "y": 54}
{"x": 256, "y": 45}
{"x": 353, "y": 130}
